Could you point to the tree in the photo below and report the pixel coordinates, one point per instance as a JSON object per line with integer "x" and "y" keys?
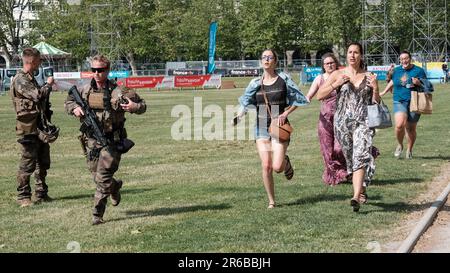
{"x": 73, "y": 27}
{"x": 10, "y": 30}
{"x": 166, "y": 24}
{"x": 131, "y": 22}
{"x": 64, "y": 26}
{"x": 332, "y": 22}
{"x": 256, "y": 32}
{"x": 177, "y": 30}
{"x": 228, "y": 43}
{"x": 273, "y": 24}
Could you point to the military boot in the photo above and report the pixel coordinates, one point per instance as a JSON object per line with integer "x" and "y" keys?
{"x": 25, "y": 202}
{"x": 97, "y": 220}
{"x": 41, "y": 199}
{"x": 115, "y": 197}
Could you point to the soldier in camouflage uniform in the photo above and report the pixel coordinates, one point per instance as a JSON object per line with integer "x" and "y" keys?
{"x": 109, "y": 102}
{"x": 27, "y": 98}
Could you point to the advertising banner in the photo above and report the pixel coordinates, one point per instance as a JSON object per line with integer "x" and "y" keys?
{"x": 191, "y": 81}
{"x": 118, "y": 74}
{"x": 185, "y": 72}
{"x": 214, "y": 81}
{"x": 87, "y": 75}
{"x": 67, "y": 79}
{"x": 244, "y": 72}
{"x": 67, "y": 75}
{"x": 311, "y": 73}
{"x": 380, "y": 70}
{"x": 434, "y": 71}
{"x": 143, "y": 82}
{"x": 167, "y": 82}
{"x": 212, "y": 47}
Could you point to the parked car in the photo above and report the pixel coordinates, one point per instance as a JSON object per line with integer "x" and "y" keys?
{"x": 40, "y": 75}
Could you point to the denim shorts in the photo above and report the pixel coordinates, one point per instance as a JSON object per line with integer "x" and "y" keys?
{"x": 403, "y": 107}
{"x": 262, "y": 130}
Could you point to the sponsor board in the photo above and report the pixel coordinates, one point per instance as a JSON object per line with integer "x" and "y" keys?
{"x": 191, "y": 81}
{"x": 214, "y": 81}
{"x": 118, "y": 74}
{"x": 143, "y": 82}
{"x": 158, "y": 82}
{"x": 244, "y": 72}
{"x": 67, "y": 75}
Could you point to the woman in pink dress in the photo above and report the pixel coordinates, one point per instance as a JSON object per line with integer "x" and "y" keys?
{"x": 335, "y": 170}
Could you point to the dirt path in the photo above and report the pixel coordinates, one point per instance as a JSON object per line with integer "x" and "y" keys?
{"x": 437, "y": 237}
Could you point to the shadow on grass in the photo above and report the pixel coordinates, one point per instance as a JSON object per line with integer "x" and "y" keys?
{"x": 135, "y": 190}
{"x": 315, "y": 199}
{"x": 75, "y": 197}
{"x": 91, "y": 195}
{"x": 169, "y": 211}
{"x": 396, "y": 181}
{"x": 397, "y": 207}
{"x": 433, "y": 157}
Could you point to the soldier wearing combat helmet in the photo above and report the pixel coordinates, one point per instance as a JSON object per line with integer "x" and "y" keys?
{"x": 30, "y": 102}
{"x": 109, "y": 102}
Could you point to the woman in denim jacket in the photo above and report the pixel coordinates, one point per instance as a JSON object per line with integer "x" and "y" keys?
{"x": 283, "y": 96}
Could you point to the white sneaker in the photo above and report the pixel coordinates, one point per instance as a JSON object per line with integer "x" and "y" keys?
{"x": 408, "y": 154}
{"x": 398, "y": 151}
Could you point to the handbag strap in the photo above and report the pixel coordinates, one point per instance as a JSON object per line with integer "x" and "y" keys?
{"x": 265, "y": 97}
{"x": 381, "y": 103}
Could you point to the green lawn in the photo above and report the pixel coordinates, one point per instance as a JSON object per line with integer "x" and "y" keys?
{"x": 207, "y": 196}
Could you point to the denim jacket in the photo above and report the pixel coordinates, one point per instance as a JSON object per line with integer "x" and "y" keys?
{"x": 294, "y": 96}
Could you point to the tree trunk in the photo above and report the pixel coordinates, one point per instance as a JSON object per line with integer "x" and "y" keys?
{"x": 130, "y": 59}
{"x": 7, "y": 54}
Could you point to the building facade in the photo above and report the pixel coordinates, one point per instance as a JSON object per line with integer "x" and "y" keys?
{"x": 25, "y": 14}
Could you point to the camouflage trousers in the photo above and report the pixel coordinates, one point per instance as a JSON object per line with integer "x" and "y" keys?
{"x": 35, "y": 159}
{"x": 103, "y": 168}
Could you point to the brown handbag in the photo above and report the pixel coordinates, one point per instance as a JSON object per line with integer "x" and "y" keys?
{"x": 281, "y": 133}
{"x": 421, "y": 103}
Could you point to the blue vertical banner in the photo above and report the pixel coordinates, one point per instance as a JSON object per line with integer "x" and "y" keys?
{"x": 212, "y": 47}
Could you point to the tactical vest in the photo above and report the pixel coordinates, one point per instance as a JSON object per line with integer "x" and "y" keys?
{"x": 27, "y": 111}
{"x": 106, "y": 107}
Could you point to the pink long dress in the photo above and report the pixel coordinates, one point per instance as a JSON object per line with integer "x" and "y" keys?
{"x": 335, "y": 170}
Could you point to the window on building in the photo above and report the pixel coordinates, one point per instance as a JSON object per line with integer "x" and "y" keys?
{"x": 32, "y": 23}
{"x": 36, "y": 6}
{"x": 19, "y": 24}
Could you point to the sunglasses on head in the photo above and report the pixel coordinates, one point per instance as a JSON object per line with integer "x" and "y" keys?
{"x": 99, "y": 69}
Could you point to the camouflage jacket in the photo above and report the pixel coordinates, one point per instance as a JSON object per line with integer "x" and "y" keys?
{"x": 27, "y": 96}
{"x": 114, "y": 119}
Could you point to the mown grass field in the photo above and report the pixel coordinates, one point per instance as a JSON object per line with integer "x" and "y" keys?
{"x": 207, "y": 196}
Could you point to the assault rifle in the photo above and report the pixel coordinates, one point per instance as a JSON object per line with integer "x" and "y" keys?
{"x": 90, "y": 125}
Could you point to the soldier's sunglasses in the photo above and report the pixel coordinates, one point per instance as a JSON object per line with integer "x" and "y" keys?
{"x": 99, "y": 69}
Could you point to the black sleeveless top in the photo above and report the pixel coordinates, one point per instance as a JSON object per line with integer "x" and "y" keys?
{"x": 276, "y": 95}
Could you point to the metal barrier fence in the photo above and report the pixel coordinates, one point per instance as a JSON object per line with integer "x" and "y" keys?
{"x": 225, "y": 68}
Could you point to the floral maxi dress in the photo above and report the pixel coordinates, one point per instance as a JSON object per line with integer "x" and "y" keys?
{"x": 335, "y": 170}
{"x": 352, "y": 130}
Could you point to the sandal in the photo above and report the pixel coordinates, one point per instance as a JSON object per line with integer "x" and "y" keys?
{"x": 288, "y": 170}
{"x": 363, "y": 197}
{"x": 271, "y": 206}
{"x": 355, "y": 204}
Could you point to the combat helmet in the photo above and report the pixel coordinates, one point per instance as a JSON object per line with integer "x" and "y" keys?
{"x": 48, "y": 134}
